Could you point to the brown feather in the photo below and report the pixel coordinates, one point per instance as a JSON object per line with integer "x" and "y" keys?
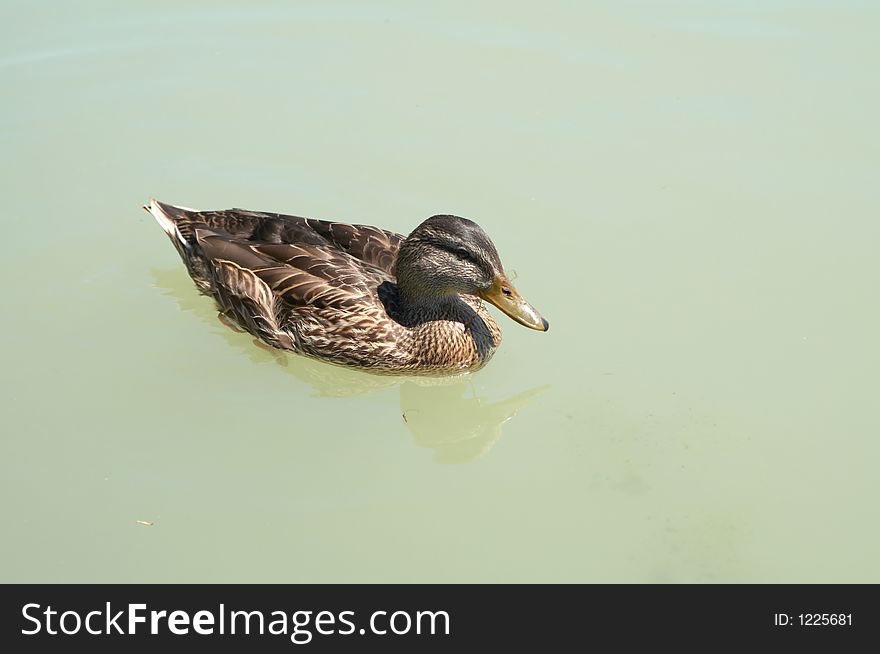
{"x": 324, "y": 289}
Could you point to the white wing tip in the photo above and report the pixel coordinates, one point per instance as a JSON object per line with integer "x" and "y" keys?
{"x": 165, "y": 222}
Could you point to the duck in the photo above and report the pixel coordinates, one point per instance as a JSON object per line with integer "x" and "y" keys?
{"x": 350, "y": 294}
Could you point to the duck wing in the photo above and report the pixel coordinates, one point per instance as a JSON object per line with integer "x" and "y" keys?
{"x": 371, "y": 245}
{"x": 296, "y": 275}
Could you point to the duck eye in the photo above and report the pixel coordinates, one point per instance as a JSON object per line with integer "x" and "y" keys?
{"x": 462, "y": 253}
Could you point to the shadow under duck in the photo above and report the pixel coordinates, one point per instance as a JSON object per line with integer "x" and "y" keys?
{"x": 353, "y": 295}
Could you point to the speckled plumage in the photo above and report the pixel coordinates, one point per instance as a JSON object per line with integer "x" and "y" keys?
{"x": 330, "y": 290}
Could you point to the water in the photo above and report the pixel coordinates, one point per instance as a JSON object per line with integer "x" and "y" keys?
{"x": 687, "y": 191}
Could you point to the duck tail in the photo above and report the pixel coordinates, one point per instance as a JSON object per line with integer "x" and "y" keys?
{"x": 166, "y": 215}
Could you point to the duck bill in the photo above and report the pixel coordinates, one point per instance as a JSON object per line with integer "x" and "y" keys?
{"x": 504, "y": 296}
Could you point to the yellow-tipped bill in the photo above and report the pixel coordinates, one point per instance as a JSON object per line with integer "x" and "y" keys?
{"x": 504, "y": 296}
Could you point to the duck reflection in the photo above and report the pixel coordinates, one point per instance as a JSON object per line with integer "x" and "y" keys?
{"x": 442, "y": 414}
{"x": 457, "y": 428}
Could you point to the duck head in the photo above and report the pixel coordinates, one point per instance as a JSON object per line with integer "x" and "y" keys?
{"x": 446, "y": 255}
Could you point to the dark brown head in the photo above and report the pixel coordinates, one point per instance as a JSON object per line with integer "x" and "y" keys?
{"x": 446, "y": 255}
